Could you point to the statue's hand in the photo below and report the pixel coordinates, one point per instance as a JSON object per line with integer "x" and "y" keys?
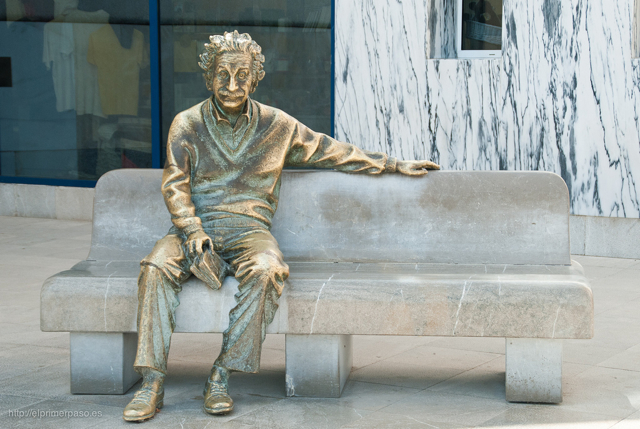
{"x": 415, "y": 168}
{"x": 197, "y": 243}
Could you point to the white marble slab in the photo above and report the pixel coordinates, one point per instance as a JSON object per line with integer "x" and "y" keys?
{"x": 565, "y": 97}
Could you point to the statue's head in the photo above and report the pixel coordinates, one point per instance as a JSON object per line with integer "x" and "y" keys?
{"x": 232, "y": 66}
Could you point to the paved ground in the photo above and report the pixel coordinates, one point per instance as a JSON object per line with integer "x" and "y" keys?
{"x": 397, "y": 382}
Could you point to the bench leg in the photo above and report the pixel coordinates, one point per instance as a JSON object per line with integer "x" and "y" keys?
{"x": 102, "y": 363}
{"x": 534, "y": 370}
{"x": 317, "y": 365}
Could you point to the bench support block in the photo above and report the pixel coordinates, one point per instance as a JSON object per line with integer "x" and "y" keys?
{"x": 534, "y": 370}
{"x": 317, "y": 365}
{"x": 102, "y": 363}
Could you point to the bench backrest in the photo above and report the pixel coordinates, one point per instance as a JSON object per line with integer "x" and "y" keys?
{"x": 466, "y": 217}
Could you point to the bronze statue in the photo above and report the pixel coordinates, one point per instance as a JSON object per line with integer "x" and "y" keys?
{"x": 221, "y": 184}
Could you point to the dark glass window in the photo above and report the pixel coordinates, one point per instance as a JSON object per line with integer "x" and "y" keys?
{"x": 76, "y": 78}
{"x": 79, "y": 100}
{"x": 481, "y": 26}
{"x": 295, "y": 36}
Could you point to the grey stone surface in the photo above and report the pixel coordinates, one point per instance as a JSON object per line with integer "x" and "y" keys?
{"x": 446, "y": 217}
{"x": 35, "y": 201}
{"x": 51, "y": 202}
{"x": 533, "y": 370}
{"x": 577, "y": 228}
{"x": 317, "y": 365}
{"x": 74, "y": 203}
{"x": 102, "y": 363}
{"x": 612, "y": 237}
{"x": 7, "y": 199}
{"x": 371, "y": 299}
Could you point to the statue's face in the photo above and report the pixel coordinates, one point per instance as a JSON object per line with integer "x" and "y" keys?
{"x": 232, "y": 79}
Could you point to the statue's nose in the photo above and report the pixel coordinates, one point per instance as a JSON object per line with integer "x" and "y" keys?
{"x": 233, "y": 85}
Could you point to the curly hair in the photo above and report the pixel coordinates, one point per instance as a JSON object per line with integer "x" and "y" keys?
{"x": 232, "y": 42}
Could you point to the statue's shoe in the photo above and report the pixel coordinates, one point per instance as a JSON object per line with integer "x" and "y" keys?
{"x": 143, "y": 405}
{"x": 216, "y": 398}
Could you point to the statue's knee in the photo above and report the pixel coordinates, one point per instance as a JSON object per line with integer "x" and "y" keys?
{"x": 266, "y": 264}
{"x": 166, "y": 256}
{"x": 149, "y": 273}
{"x": 156, "y": 272}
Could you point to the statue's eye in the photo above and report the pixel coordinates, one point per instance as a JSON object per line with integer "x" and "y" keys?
{"x": 242, "y": 75}
{"x": 223, "y": 74}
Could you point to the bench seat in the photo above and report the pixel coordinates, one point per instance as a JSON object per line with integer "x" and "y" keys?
{"x": 371, "y": 299}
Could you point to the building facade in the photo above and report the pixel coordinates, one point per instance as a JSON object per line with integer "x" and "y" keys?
{"x": 562, "y": 95}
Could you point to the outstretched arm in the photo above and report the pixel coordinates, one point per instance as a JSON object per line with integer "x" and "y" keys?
{"x": 317, "y": 150}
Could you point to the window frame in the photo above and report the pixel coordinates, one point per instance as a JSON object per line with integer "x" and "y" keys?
{"x": 469, "y": 53}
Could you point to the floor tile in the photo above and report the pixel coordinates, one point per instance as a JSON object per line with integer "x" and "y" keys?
{"x": 448, "y": 408}
{"x": 432, "y": 356}
{"x": 382, "y": 419}
{"x": 606, "y": 391}
{"x": 615, "y": 332}
{"x": 47, "y": 382}
{"x": 373, "y": 396}
{"x": 404, "y": 374}
{"x": 628, "y": 359}
{"x": 585, "y": 352}
{"x": 27, "y": 359}
{"x": 631, "y": 422}
{"x": 547, "y": 417}
{"x": 369, "y": 349}
{"x": 11, "y": 403}
{"x": 296, "y": 413}
{"x": 486, "y": 381}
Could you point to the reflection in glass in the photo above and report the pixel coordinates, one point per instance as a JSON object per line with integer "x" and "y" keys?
{"x": 295, "y": 37}
{"x": 79, "y": 102}
{"x": 269, "y": 13}
{"x": 481, "y": 25}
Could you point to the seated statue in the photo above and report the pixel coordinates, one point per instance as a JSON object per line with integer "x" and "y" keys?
{"x": 221, "y": 184}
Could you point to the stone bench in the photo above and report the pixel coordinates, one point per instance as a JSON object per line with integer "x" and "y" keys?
{"x": 464, "y": 254}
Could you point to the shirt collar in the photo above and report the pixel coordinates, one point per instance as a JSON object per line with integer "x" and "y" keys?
{"x": 218, "y": 116}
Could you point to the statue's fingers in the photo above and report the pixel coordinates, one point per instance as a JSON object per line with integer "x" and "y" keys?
{"x": 209, "y": 245}
{"x": 431, "y": 165}
{"x": 418, "y": 172}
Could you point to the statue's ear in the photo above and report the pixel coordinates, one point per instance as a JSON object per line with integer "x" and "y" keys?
{"x": 257, "y": 79}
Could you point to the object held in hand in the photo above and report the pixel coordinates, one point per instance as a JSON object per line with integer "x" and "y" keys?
{"x": 210, "y": 268}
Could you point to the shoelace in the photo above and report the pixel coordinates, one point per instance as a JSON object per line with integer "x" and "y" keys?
{"x": 142, "y": 396}
{"x": 217, "y": 388}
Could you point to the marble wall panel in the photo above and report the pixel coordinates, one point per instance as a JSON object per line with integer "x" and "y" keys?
{"x": 565, "y": 96}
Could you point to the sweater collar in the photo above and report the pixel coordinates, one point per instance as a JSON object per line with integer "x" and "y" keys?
{"x": 218, "y": 116}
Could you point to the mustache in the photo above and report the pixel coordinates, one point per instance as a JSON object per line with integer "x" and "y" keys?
{"x": 227, "y": 93}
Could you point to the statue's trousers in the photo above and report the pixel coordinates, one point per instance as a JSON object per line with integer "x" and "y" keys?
{"x": 258, "y": 264}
